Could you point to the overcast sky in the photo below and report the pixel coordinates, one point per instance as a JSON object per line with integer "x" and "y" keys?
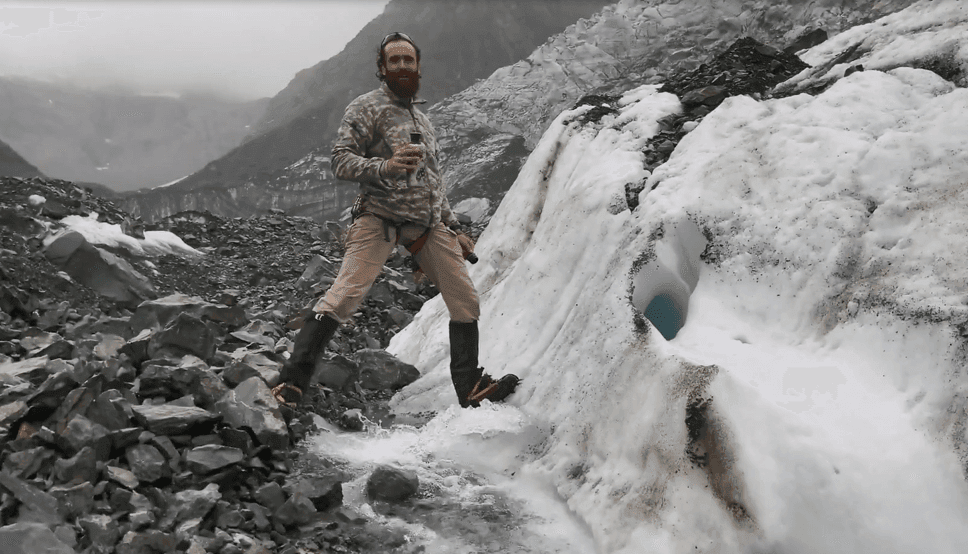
{"x": 244, "y": 49}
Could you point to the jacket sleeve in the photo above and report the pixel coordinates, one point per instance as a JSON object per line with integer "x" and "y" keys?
{"x": 349, "y": 150}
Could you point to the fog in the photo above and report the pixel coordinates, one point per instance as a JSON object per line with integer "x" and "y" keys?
{"x": 240, "y": 50}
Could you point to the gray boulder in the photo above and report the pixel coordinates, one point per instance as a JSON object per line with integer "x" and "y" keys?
{"x": 210, "y": 458}
{"x": 391, "y": 484}
{"x": 252, "y": 406}
{"x": 37, "y": 505}
{"x": 380, "y": 370}
{"x": 31, "y": 538}
{"x": 157, "y": 314}
{"x": 336, "y": 372}
{"x": 168, "y": 419}
{"x": 186, "y": 334}
{"x": 147, "y": 464}
{"x": 105, "y": 273}
{"x": 194, "y": 504}
{"x": 81, "y": 468}
{"x": 324, "y": 492}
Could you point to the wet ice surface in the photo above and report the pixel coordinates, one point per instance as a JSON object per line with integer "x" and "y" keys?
{"x": 475, "y": 494}
{"x": 824, "y": 311}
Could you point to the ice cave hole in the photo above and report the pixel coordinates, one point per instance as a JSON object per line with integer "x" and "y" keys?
{"x": 662, "y": 286}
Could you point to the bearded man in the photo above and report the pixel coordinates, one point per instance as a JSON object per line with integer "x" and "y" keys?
{"x": 389, "y": 146}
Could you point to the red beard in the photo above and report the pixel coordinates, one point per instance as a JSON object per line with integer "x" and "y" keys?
{"x": 403, "y": 82}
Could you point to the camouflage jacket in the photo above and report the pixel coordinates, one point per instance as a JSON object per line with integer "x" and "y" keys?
{"x": 372, "y": 126}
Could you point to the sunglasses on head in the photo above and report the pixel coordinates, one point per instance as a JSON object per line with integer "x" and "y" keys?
{"x": 395, "y": 36}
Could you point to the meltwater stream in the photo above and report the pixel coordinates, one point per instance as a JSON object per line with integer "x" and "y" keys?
{"x": 476, "y": 493}
{"x": 828, "y": 449}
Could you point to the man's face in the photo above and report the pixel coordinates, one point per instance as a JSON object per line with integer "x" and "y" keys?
{"x": 401, "y": 69}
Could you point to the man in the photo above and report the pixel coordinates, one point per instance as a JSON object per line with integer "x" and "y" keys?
{"x": 389, "y": 146}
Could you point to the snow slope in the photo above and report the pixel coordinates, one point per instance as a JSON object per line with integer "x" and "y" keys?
{"x": 808, "y": 256}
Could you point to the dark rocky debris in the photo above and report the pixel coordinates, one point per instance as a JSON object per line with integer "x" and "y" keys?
{"x": 145, "y": 424}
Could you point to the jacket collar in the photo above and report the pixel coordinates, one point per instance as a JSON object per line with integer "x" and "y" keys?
{"x": 405, "y": 102}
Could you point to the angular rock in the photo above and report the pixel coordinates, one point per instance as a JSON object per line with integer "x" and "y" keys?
{"x": 146, "y": 542}
{"x": 211, "y": 458}
{"x": 196, "y": 504}
{"x": 81, "y": 468}
{"x": 147, "y": 463}
{"x": 260, "y": 517}
{"x": 254, "y": 338}
{"x": 100, "y": 529}
{"x": 32, "y": 538}
{"x": 251, "y": 365}
{"x": 238, "y": 372}
{"x": 188, "y": 529}
{"x": 229, "y": 297}
{"x": 141, "y": 519}
{"x": 166, "y": 447}
{"x": 270, "y": 495}
{"x": 391, "y": 484}
{"x": 77, "y": 402}
{"x": 53, "y": 391}
{"x": 352, "y": 420}
{"x": 27, "y": 463}
{"x": 252, "y": 406}
{"x": 111, "y": 409}
{"x": 380, "y": 370}
{"x": 37, "y": 505}
{"x": 168, "y": 419}
{"x": 109, "y": 346}
{"x": 136, "y": 348}
{"x": 16, "y": 302}
{"x": 81, "y": 432}
{"x": 187, "y": 334}
{"x": 123, "y": 438}
{"x": 61, "y": 349}
{"x": 122, "y": 476}
{"x": 157, "y": 314}
{"x": 227, "y": 516}
{"x": 76, "y": 500}
{"x": 707, "y": 96}
{"x": 297, "y": 510}
{"x": 105, "y": 273}
{"x": 12, "y": 412}
{"x": 33, "y": 340}
{"x": 337, "y": 372}
{"x": 317, "y": 268}
{"x": 324, "y": 492}
{"x": 31, "y": 369}
{"x": 399, "y": 317}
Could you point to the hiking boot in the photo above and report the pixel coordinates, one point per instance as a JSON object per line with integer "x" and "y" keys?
{"x": 489, "y": 389}
{"x": 316, "y": 332}
{"x": 470, "y": 382}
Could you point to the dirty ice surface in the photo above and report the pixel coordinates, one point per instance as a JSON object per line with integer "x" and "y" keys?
{"x": 155, "y": 243}
{"x": 802, "y": 262}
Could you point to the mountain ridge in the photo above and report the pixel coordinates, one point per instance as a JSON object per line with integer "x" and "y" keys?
{"x": 124, "y": 141}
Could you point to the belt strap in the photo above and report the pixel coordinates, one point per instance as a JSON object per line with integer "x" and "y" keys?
{"x": 416, "y": 245}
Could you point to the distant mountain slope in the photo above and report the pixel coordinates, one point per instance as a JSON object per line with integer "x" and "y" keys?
{"x": 12, "y": 164}
{"x": 461, "y": 41}
{"x": 121, "y": 140}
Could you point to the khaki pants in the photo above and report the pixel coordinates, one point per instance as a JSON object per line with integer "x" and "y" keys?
{"x": 367, "y": 249}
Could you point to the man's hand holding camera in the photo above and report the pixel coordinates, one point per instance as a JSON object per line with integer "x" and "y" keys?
{"x": 406, "y": 159}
